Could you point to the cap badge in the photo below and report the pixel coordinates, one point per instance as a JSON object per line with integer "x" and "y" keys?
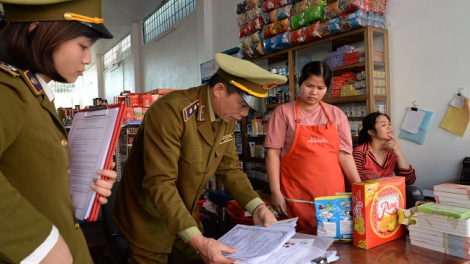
{"x": 269, "y": 86}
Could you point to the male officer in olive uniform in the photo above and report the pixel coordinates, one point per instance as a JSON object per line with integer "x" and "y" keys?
{"x": 176, "y": 151}
{"x": 37, "y": 216}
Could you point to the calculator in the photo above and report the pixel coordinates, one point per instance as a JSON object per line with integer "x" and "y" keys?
{"x": 465, "y": 176}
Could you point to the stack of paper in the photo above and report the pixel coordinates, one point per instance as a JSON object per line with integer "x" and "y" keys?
{"x": 453, "y": 194}
{"x": 275, "y": 244}
{"x": 444, "y": 226}
{"x": 439, "y": 241}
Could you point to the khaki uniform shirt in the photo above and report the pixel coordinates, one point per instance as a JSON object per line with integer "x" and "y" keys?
{"x": 34, "y": 174}
{"x": 173, "y": 156}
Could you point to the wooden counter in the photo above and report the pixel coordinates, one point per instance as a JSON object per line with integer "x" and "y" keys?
{"x": 398, "y": 251}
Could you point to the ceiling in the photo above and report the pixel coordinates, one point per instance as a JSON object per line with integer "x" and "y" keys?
{"x": 118, "y": 16}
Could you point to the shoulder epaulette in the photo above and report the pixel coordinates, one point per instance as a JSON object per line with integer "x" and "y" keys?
{"x": 33, "y": 82}
{"x": 190, "y": 110}
{"x": 9, "y": 69}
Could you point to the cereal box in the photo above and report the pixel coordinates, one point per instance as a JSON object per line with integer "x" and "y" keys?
{"x": 375, "y": 212}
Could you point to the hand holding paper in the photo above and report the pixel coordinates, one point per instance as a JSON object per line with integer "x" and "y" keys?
{"x": 103, "y": 186}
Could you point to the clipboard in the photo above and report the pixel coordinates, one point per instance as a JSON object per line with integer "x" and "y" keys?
{"x": 92, "y": 140}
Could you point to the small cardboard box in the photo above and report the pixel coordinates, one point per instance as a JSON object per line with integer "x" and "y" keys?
{"x": 375, "y": 204}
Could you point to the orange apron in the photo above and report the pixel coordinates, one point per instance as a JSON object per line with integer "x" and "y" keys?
{"x": 310, "y": 169}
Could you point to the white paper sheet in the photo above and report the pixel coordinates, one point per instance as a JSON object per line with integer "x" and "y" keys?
{"x": 89, "y": 139}
{"x": 412, "y": 121}
{"x": 255, "y": 243}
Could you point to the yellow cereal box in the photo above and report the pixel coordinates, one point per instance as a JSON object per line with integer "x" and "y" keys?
{"x": 375, "y": 212}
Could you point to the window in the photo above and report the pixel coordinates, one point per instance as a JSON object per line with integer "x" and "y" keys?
{"x": 168, "y": 14}
{"x": 117, "y": 53}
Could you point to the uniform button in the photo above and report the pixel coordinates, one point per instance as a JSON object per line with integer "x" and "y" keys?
{"x": 64, "y": 142}
{"x": 68, "y": 172}
{"x": 207, "y": 171}
{"x": 77, "y": 225}
{"x": 191, "y": 159}
{"x": 154, "y": 208}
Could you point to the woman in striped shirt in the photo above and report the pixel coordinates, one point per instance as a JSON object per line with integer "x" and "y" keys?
{"x": 378, "y": 154}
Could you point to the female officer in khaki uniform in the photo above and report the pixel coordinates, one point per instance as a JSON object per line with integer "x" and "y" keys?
{"x": 37, "y": 219}
{"x": 174, "y": 154}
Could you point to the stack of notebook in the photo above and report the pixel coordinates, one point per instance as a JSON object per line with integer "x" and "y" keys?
{"x": 444, "y": 226}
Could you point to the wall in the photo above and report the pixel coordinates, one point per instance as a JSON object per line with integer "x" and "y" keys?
{"x": 429, "y": 60}
{"x": 173, "y": 61}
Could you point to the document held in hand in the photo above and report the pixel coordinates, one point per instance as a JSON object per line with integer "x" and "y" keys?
{"x": 92, "y": 140}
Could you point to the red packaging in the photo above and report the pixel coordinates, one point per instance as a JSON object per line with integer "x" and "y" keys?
{"x": 147, "y": 100}
{"x": 375, "y": 204}
{"x": 312, "y": 32}
{"x": 129, "y": 114}
{"x": 257, "y": 24}
{"x": 269, "y": 5}
{"x": 135, "y": 100}
{"x": 297, "y": 37}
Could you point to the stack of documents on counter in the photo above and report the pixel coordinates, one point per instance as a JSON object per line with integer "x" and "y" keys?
{"x": 275, "y": 244}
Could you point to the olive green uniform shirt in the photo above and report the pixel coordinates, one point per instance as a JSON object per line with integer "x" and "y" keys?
{"x": 173, "y": 156}
{"x": 34, "y": 174}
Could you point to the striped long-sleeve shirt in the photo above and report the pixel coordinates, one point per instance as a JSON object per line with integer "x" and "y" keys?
{"x": 369, "y": 168}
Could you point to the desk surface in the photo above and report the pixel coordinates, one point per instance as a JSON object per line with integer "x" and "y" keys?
{"x": 398, "y": 251}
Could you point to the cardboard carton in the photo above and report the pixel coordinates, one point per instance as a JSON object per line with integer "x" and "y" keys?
{"x": 375, "y": 204}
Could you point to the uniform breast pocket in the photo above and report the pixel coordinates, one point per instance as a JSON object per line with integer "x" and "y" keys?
{"x": 191, "y": 159}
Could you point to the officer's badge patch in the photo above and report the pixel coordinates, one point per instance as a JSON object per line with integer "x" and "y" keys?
{"x": 200, "y": 113}
{"x": 10, "y": 69}
{"x": 33, "y": 82}
{"x": 190, "y": 110}
{"x": 226, "y": 139}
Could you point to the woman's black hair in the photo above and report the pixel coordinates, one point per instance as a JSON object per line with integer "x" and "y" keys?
{"x": 369, "y": 124}
{"x": 316, "y": 68}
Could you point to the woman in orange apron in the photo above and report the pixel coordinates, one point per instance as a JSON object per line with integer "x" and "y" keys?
{"x": 309, "y": 146}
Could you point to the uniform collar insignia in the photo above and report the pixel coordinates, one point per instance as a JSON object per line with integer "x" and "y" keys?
{"x": 33, "y": 83}
{"x": 190, "y": 110}
{"x": 200, "y": 116}
{"x": 10, "y": 69}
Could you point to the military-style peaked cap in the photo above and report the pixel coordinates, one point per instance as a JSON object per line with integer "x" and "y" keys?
{"x": 88, "y": 12}
{"x": 252, "y": 80}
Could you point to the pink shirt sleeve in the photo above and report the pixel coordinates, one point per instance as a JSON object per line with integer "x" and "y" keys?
{"x": 280, "y": 132}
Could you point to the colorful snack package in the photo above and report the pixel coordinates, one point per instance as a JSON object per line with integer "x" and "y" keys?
{"x": 257, "y": 24}
{"x": 253, "y": 13}
{"x": 375, "y": 210}
{"x": 313, "y": 31}
{"x": 300, "y": 6}
{"x": 252, "y": 4}
{"x": 314, "y": 14}
{"x": 242, "y": 20}
{"x": 254, "y": 38}
{"x": 333, "y": 26}
{"x": 278, "y": 42}
{"x": 330, "y": 11}
{"x": 334, "y": 216}
{"x": 299, "y": 20}
{"x": 297, "y": 37}
{"x": 269, "y": 5}
{"x": 245, "y": 31}
{"x": 241, "y": 8}
{"x": 280, "y": 13}
{"x": 348, "y": 6}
